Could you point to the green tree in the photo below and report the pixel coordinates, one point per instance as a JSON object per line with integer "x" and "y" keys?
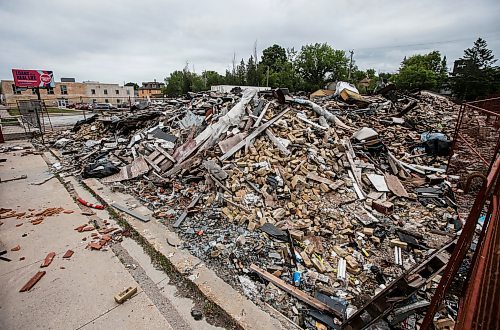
{"x": 197, "y": 83}
{"x": 174, "y": 84}
{"x": 276, "y": 68}
{"x": 230, "y": 78}
{"x": 422, "y": 72}
{"x": 319, "y": 63}
{"x": 479, "y": 55}
{"x": 252, "y": 75}
{"x": 273, "y": 57}
{"x": 212, "y": 78}
{"x": 475, "y": 74}
{"x": 241, "y": 73}
{"x": 182, "y": 82}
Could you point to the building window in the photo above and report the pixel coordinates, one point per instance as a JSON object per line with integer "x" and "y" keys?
{"x": 33, "y": 91}
{"x": 128, "y": 92}
{"x": 17, "y": 91}
{"x": 92, "y": 91}
{"x": 118, "y": 101}
{"x": 105, "y": 92}
{"x": 50, "y": 90}
{"x": 117, "y": 92}
{"x": 106, "y": 100}
{"x": 94, "y": 101}
{"x": 64, "y": 90}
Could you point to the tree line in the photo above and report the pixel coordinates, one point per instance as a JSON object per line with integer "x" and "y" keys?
{"x": 314, "y": 66}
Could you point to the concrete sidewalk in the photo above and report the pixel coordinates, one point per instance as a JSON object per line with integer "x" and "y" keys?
{"x": 75, "y": 293}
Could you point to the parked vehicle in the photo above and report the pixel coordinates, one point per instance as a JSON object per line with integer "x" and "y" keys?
{"x": 103, "y": 106}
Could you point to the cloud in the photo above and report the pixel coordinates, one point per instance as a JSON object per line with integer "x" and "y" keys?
{"x": 128, "y": 40}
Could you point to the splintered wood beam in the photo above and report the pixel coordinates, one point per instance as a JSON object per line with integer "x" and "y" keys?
{"x": 257, "y": 122}
{"x": 297, "y": 293}
{"x": 186, "y": 210}
{"x": 252, "y": 136}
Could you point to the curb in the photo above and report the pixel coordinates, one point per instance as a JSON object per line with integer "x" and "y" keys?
{"x": 153, "y": 236}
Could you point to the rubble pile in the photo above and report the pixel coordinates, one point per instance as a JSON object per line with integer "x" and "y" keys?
{"x": 336, "y": 197}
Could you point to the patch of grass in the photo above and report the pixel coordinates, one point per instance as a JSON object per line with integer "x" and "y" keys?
{"x": 57, "y": 110}
{"x": 15, "y": 111}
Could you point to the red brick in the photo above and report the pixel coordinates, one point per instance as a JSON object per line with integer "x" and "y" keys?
{"x": 68, "y": 254}
{"x": 383, "y": 207}
{"x": 80, "y": 228}
{"x": 32, "y": 281}
{"x": 48, "y": 259}
{"x": 108, "y": 230}
{"x": 95, "y": 246}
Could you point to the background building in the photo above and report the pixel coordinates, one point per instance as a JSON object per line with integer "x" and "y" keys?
{"x": 68, "y": 92}
{"x": 228, "y": 88}
{"x": 151, "y": 89}
{"x": 107, "y": 93}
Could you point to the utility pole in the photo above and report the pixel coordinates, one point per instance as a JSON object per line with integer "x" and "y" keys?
{"x": 267, "y": 79}
{"x": 350, "y": 66}
{"x": 234, "y": 63}
{"x": 256, "y": 62}
{"x": 37, "y": 114}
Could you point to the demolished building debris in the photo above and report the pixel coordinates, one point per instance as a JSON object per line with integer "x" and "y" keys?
{"x": 330, "y": 201}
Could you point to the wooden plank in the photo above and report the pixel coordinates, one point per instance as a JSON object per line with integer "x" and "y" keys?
{"x": 357, "y": 189}
{"x": 166, "y": 154}
{"x": 186, "y": 210}
{"x": 297, "y": 293}
{"x": 395, "y": 186}
{"x": 393, "y": 166}
{"x": 257, "y": 122}
{"x": 185, "y": 164}
{"x": 32, "y": 281}
{"x": 153, "y": 165}
{"x": 134, "y": 214}
{"x": 237, "y": 205}
{"x": 159, "y": 159}
{"x": 230, "y": 142}
{"x": 220, "y": 184}
{"x": 153, "y": 155}
{"x": 314, "y": 177}
{"x": 355, "y": 170}
{"x": 254, "y": 134}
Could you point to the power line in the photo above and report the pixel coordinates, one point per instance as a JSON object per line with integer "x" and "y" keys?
{"x": 430, "y": 43}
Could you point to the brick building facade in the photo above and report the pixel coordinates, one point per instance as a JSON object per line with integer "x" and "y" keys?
{"x": 65, "y": 93}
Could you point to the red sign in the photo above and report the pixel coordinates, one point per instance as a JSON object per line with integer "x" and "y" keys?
{"x": 33, "y": 78}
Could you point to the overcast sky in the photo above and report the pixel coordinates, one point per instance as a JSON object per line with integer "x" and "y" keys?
{"x": 131, "y": 40}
